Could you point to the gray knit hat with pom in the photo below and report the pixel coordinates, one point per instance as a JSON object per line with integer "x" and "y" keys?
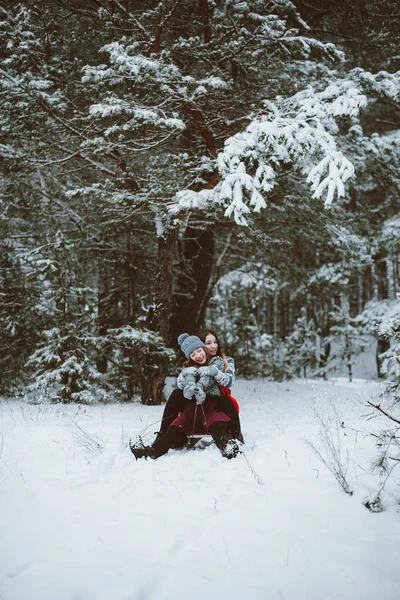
{"x": 189, "y": 343}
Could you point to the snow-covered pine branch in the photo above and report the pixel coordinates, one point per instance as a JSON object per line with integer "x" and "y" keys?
{"x": 383, "y": 83}
{"x": 299, "y": 131}
{"x": 129, "y": 65}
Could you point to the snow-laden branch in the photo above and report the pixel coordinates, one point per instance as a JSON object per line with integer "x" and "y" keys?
{"x": 139, "y": 116}
{"x": 382, "y": 83}
{"x": 299, "y": 131}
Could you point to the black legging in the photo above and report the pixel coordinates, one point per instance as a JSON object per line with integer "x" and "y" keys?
{"x": 174, "y": 437}
{"x": 177, "y": 402}
{"x": 219, "y": 430}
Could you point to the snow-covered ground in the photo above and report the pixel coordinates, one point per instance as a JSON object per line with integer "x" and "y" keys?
{"x": 82, "y": 520}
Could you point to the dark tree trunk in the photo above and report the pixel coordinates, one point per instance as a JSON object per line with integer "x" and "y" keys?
{"x": 197, "y": 254}
{"x": 196, "y": 265}
{"x": 207, "y": 12}
{"x": 381, "y": 347}
{"x": 158, "y": 319}
{"x": 102, "y": 318}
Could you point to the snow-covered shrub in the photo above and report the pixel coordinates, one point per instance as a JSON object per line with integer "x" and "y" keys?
{"x": 388, "y": 440}
{"x": 237, "y": 312}
{"x": 349, "y": 336}
{"x": 302, "y": 346}
{"x": 63, "y": 368}
{"x": 386, "y": 460}
{"x": 278, "y": 358}
{"x": 136, "y": 357}
{"x": 18, "y": 325}
{"x": 265, "y": 356}
{"x": 390, "y": 330}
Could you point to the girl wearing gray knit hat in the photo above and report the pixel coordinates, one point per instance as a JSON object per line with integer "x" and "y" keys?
{"x": 202, "y": 416}
{"x": 192, "y": 383}
{"x": 189, "y": 343}
{"x": 225, "y": 377}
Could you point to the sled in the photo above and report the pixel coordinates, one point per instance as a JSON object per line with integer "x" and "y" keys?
{"x": 199, "y": 441}
{"x": 195, "y": 441}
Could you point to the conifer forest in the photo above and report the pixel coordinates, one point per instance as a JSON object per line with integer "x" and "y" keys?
{"x": 170, "y": 165}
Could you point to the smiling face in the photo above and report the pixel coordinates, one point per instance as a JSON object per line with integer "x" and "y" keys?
{"x": 199, "y": 356}
{"x": 211, "y": 344}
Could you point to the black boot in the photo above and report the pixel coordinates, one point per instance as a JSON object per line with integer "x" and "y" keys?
{"x": 175, "y": 437}
{"x": 229, "y": 447}
{"x": 146, "y": 452}
{"x": 139, "y": 450}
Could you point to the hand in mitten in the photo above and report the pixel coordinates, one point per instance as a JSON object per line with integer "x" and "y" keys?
{"x": 200, "y": 394}
{"x": 213, "y": 371}
{"x": 189, "y": 371}
{"x": 189, "y": 389}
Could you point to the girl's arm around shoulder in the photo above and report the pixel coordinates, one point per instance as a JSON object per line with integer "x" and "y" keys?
{"x": 231, "y": 363}
{"x": 218, "y": 362}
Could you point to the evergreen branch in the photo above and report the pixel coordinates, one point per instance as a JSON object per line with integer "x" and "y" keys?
{"x": 169, "y": 15}
{"x": 137, "y": 24}
{"x": 58, "y": 161}
{"x": 99, "y": 166}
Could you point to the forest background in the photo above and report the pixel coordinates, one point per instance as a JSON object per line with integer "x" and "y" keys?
{"x": 172, "y": 164}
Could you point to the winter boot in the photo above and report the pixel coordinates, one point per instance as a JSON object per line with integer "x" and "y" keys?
{"x": 229, "y": 447}
{"x": 139, "y": 450}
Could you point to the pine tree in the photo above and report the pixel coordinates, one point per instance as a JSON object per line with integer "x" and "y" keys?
{"x": 18, "y": 320}
{"x": 303, "y": 347}
{"x": 176, "y": 121}
{"x": 347, "y": 335}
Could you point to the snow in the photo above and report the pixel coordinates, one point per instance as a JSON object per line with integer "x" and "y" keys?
{"x": 82, "y": 520}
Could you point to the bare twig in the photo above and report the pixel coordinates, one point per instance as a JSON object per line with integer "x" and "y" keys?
{"x": 252, "y": 469}
{"x": 331, "y": 454}
{"x": 86, "y": 440}
{"x": 378, "y": 407}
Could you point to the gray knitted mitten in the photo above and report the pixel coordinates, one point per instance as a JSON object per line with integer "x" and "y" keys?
{"x": 199, "y": 393}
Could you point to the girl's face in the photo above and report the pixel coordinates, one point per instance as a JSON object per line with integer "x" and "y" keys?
{"x": 199, "y": 356}
{"x": 211, "y": 344}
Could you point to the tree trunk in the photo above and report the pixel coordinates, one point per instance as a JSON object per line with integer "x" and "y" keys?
{"x": 276, "y": 313}
{"x": 101, "y": 359}
{"x": 382, "y": 346}
{"x": 158, "y": 318}
{"x": 195, "y": 271}
{"x": 391, "y": 286}
{"x": 207, "y": 12}
{"x": 360, "y": 291}
{"x": 375, "y": 281}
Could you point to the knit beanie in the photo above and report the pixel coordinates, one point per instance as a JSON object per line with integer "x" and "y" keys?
{"x": 189, "y": 343}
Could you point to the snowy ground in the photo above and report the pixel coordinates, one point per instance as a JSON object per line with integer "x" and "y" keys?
{"x": 83, "y": 523}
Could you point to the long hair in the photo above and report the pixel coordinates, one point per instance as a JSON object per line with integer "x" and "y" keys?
{"x": 191, "y": 363}
{"x": 220, "y": 353}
